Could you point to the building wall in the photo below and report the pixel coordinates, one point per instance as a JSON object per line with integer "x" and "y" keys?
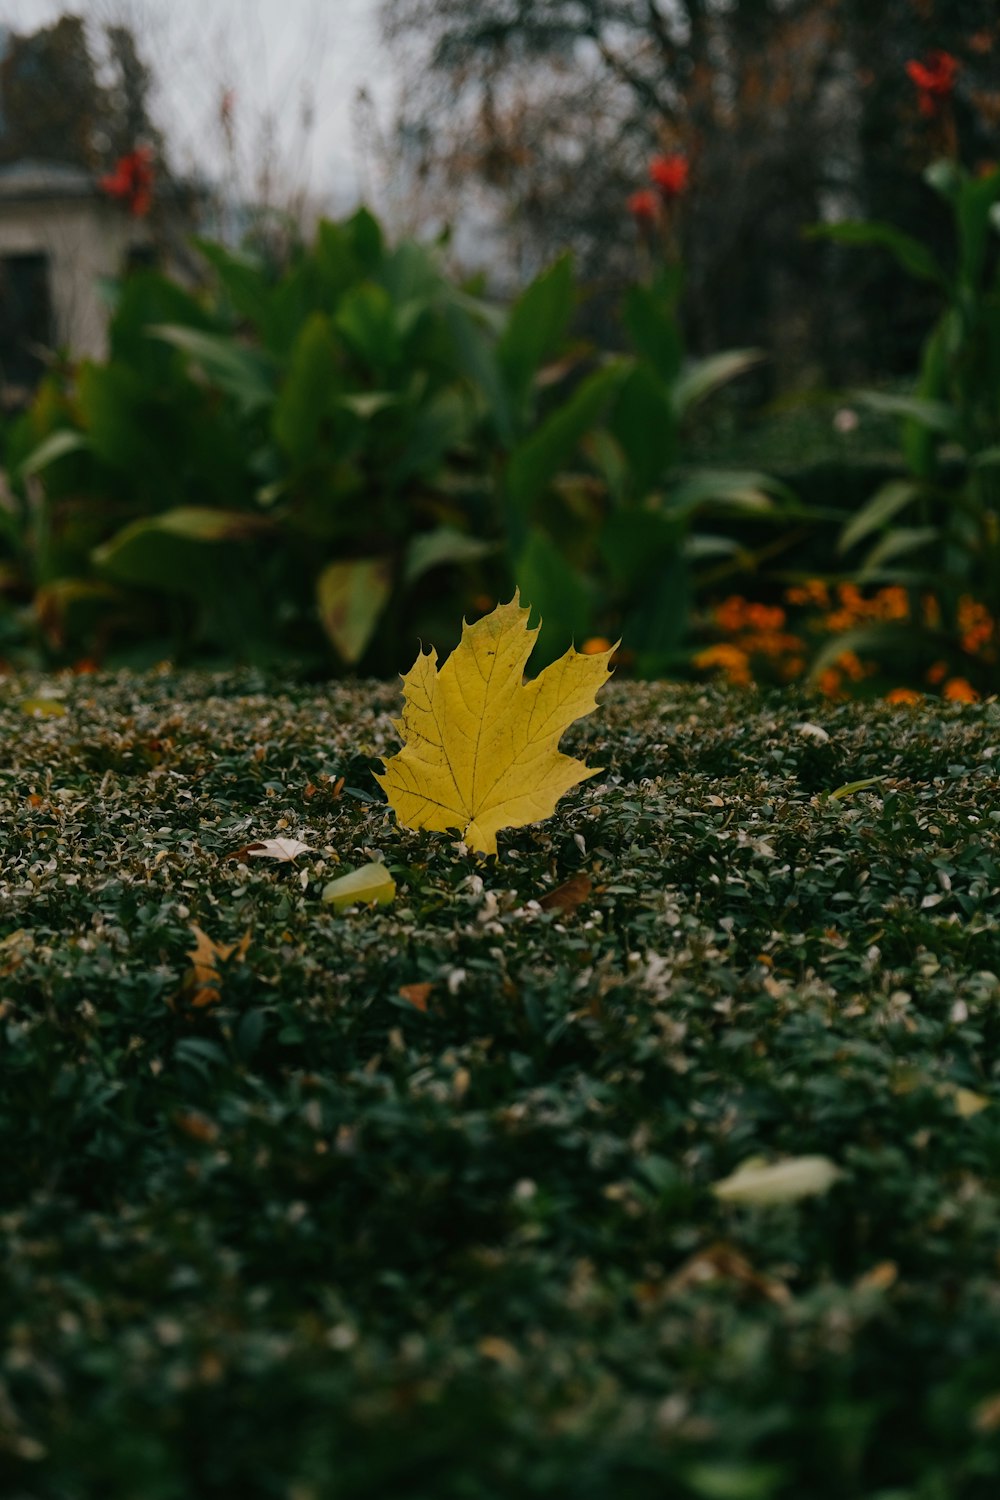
{"x": 85, "y": 240}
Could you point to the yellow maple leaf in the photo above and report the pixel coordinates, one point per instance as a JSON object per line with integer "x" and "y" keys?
{"x": 480, "y": 744}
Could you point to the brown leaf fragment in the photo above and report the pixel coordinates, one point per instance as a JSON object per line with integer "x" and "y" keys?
{"x": 723, "y": 1262}
{"x": 206, "y": 956}
{"x": 568, "y": 896}
{"x": 879, "y": 1279}
{"x": 417, "y": 994}
{"x": 987, "y": 1414}
{"x": 196, "y": 1126}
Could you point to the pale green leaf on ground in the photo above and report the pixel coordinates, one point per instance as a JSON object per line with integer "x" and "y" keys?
{"x": 351, "y": 597}
{"x": 755, "y": 1185}
{"x": 361, "y": 887}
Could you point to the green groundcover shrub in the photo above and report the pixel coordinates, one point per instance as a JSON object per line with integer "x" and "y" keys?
{"x": 419, "y": 1200}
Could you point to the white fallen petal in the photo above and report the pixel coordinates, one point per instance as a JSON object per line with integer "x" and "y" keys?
{"x": 780, "y": 1182}
{"x": 812, "y": 732}
{"x": 281, "y": 849}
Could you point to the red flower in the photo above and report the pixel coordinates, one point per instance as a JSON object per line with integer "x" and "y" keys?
{"x": 934, "y": 79}
{"x": 670, "y": 174}
{"x": 132, "y": 181}
{"x": 643, "y": 207}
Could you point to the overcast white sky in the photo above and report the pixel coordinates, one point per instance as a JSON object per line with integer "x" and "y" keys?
{"x": 285, "y": 60}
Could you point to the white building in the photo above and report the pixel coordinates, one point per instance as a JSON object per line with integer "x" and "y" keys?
{"x": 61, "y": 239}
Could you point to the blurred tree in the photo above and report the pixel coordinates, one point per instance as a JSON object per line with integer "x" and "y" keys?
{"x": 51, "y": 98}
{"x": 55, "y": 105}
{"x": 546, "y": 112}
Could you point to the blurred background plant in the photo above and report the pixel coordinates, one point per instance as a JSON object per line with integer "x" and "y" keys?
{"x": 327, "y": 438}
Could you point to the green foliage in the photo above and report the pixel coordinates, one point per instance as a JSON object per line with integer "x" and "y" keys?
{"x": 612, "y": 538}
{"x": 312, "y": 1239}
{"x": 287, "y": 431}
{"x": 329, "y": 462}
{"x": 937, "y": 531}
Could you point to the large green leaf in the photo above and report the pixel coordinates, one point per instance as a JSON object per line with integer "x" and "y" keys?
{"x": 888, "y": 500}
{"x": 977, "y": 198}
{"x": 703, "y": 376}
{"x": 535, "y": 462}
{"x": 114, "y": 411}
{"x": 54, "y": 447}
{"x": 553, "y": 588}
{"x": 434, "y": 429}
{"x": 644, "y": 424}
{"x": 470, "y": 332}
{"x": 351, "y": 597}
{"x": 173, "y": 551}
{"x": 306, "y": 394}
{"x": 244, "y": 282}
{"x": 444, "y": 545}
{"x": 935, "y": 416}
{"x": 910, "y": 253}
{"x": 243, "y": 373}
{"x": 741, "y": 491}
{"x": 637, "y": 544}
{"x": 898, "y": 542}
{"x": 537, "y": 325}
{"x": 650, "y": 317}
{"x": 366, "y": 320}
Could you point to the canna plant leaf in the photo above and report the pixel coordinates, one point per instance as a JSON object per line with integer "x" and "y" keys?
{"x": 480, "y": 746}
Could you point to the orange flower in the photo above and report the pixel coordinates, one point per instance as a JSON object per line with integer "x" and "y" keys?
{"x": 934, "y": 79}
{"x": 132, "y": 181}
{"x": 729, "y": 659}
{"x": 937, "y": 673}
{"x": 813, "y": 591}
{"x": 594, "y": 644}
{"x": 828, "y": 683}
{"x": 670, "y": 174}
{"x": 958, "y": 690}
{"x": 731, "y": 614}
{"x": 643, "y": 206}
{"x": 852, "y": 666}
{"x": 903, "y": 695}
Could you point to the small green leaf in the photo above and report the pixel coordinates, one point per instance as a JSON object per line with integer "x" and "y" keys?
{"x": 703, "y": 376}
{"x": 433, "y": 549}
{"x": 909, "y": 252}
{"x": 850, "y": 787}
{"x": 245, "y": 374}
{"x": 936, "y": 416}
{"x": 56, "y": 445}
{"x": 888, "y": 500}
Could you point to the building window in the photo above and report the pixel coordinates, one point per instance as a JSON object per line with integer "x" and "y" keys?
{"x": 25, "y": 318}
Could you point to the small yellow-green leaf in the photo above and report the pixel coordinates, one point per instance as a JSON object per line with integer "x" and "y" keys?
{"x": 43, "y": 708}
{"x": 780, "y": 1182}
{"x": 967, "y": 1103}
{"x": 850, "y": 787}
{"x": 360, "y": 887}
{"x": 350, "y": 597}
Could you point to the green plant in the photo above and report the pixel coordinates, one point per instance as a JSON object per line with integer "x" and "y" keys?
{"x": 287, "y": 448}
{"x": 935, "y": 529}
{"x": 612, "y": 533}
